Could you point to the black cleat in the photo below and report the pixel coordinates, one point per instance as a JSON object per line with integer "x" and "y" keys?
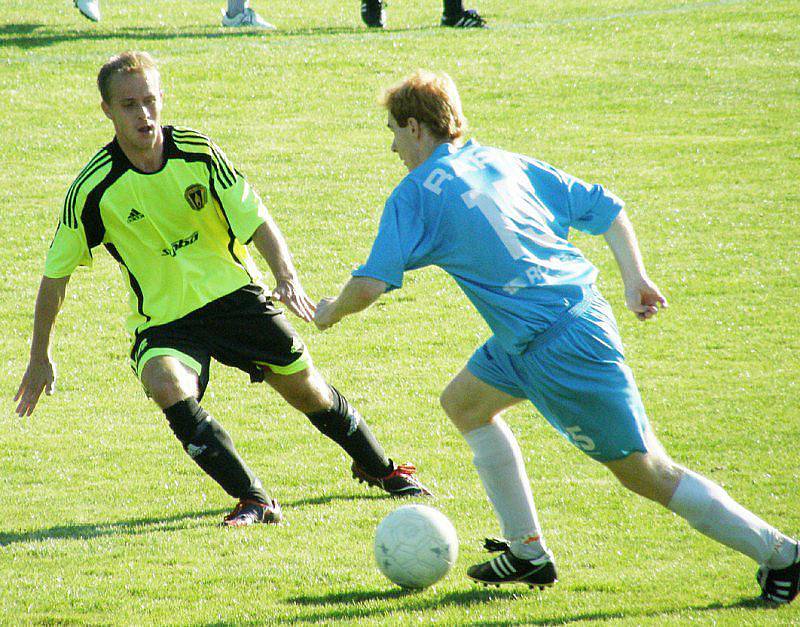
{"x": 780, "y": 585}
{"x": 468, "y": 19}
{"x": 249, "y": 512}
{"x": 373, "y": 13}
{"x": 508, "y": 568}
{"x": 400, "y": 482}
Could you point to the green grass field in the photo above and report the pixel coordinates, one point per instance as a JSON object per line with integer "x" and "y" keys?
{"x": 688, "y": 109}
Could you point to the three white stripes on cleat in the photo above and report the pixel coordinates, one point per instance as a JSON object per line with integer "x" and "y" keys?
{"x": 502, "y": 567}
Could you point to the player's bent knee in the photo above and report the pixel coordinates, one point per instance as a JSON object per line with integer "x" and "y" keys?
{"x": 652, "y": 476}
{"x": 166, "y": 393}
{"x": 452, "y": 404}
{"x": 463, "y": 411}
{"x": 168, "y": 383}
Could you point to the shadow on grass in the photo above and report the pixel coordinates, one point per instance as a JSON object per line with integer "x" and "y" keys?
{"x": 85, "y": 531}
{"x": 350, "y": 606}
{"x": 329, "y": 498}
{"x": 82, "y": 531}
{"x": 27, "y": 36}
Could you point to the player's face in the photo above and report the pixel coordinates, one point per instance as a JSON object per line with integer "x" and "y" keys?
{"x": 405, "y": 143}
{"x": 135, "y": 109}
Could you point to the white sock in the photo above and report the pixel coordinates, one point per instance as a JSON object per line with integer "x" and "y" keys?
{"x": 710, "y": 510}
{"x": 502, "y": 471}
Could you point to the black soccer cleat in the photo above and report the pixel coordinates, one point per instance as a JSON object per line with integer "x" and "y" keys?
{"x": 468, "y": 19}
{"x": 250, "y": 512}
{"x": 373, "y": 13}
{"x": 508, "y": 568}
{"x": 400, "y": 482}
{"x": 780, "y": 585}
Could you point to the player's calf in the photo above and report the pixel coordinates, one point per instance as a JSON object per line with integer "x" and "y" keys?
{"x": 344, "y": 425}
{"x": 211, "y": 448}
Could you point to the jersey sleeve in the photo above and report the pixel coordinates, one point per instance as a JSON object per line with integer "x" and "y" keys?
{"x": 243, "y": 207}
{"x": 592, "y": 208}
{"x": 400, "y": 243}
{"x": 69, "y": 248}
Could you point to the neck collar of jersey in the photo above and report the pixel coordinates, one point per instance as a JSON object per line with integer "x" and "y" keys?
{"x": 448, "y": 148}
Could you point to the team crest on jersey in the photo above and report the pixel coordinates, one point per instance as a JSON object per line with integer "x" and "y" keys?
{"x": 196, "y": 195}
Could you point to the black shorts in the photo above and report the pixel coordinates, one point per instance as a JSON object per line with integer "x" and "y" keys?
{"x": 242, "y": 329}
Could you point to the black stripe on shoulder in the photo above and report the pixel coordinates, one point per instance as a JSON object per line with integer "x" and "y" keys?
{"x": 186, "y": 133}
{"x": 225, "y": 171}
{"x": 202, "y": 156}
{"x": 76, "y": 182}
{"x": 222, "y": 175}
{"x": 224, "y": 165}
{"x": 101, "y": 161}
{"x": 90, "y": 214}
{"x": 71, "y": 215}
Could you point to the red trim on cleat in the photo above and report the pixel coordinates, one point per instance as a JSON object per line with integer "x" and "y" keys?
{"x": 400, "y": 482}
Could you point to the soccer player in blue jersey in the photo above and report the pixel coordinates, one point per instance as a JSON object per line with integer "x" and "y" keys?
{"x": 498, "y": 223}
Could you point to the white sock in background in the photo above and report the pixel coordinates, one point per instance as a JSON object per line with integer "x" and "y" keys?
{"x": 710, "y": 510}
{"x": 502, "y": 471}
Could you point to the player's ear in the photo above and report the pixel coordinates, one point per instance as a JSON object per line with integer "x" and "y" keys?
{"x": 414, "y": 127}
{"x": 106, "y": 109}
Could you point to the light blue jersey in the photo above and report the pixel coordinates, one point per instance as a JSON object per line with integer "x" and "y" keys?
{"x": 497, "y": 222}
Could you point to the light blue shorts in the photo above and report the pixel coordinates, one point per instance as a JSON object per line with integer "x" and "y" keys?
{"x": 575, "y": 375}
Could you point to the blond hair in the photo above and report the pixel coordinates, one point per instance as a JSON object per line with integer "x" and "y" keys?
{"x": 123, "y": 63}
{"x": 431, "y": 99}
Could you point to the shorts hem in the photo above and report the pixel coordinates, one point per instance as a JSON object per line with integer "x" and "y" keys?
{"x": 298, "y": 365}
{"x": 604, "y": 459}
{"x": 185, "y": 359}
{"x": 498, "y": 386}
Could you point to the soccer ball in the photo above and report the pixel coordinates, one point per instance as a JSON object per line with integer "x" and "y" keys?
{"x": 415, "y": 546}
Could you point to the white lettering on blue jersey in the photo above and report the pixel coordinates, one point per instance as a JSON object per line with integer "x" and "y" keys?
{"x": 436, "y": 179}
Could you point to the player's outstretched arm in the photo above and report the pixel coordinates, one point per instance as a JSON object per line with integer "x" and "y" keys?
{"x": 358, "y": 294}
{"x": 40, "y": 374}
{"x": 642, "y": 296}
{"x": 269, "y": 241}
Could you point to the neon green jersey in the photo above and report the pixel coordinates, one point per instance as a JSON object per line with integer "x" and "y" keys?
{"x": 178, "y": 234}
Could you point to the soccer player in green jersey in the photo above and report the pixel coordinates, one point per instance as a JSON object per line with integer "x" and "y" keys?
{"x": 176, "y": 215}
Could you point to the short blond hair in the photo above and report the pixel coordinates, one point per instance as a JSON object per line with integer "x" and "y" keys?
{"x": 431, "y": 99}
{"x": 123, "y": 63}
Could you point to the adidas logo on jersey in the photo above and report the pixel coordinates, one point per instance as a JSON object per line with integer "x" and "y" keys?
{"x": 134, "y": 216}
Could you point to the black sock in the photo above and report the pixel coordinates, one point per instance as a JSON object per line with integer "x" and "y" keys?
{"x": 453, "y": 8}
{"x": 210, "y": 446}
{"x": 345, "y": 426}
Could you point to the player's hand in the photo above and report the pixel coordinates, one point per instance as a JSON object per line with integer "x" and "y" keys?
{"x": 644, "y": 298}
{"x": 292, "y": 294}
{"x": 40, "y": 376}
{"x": 323, "y": 318}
